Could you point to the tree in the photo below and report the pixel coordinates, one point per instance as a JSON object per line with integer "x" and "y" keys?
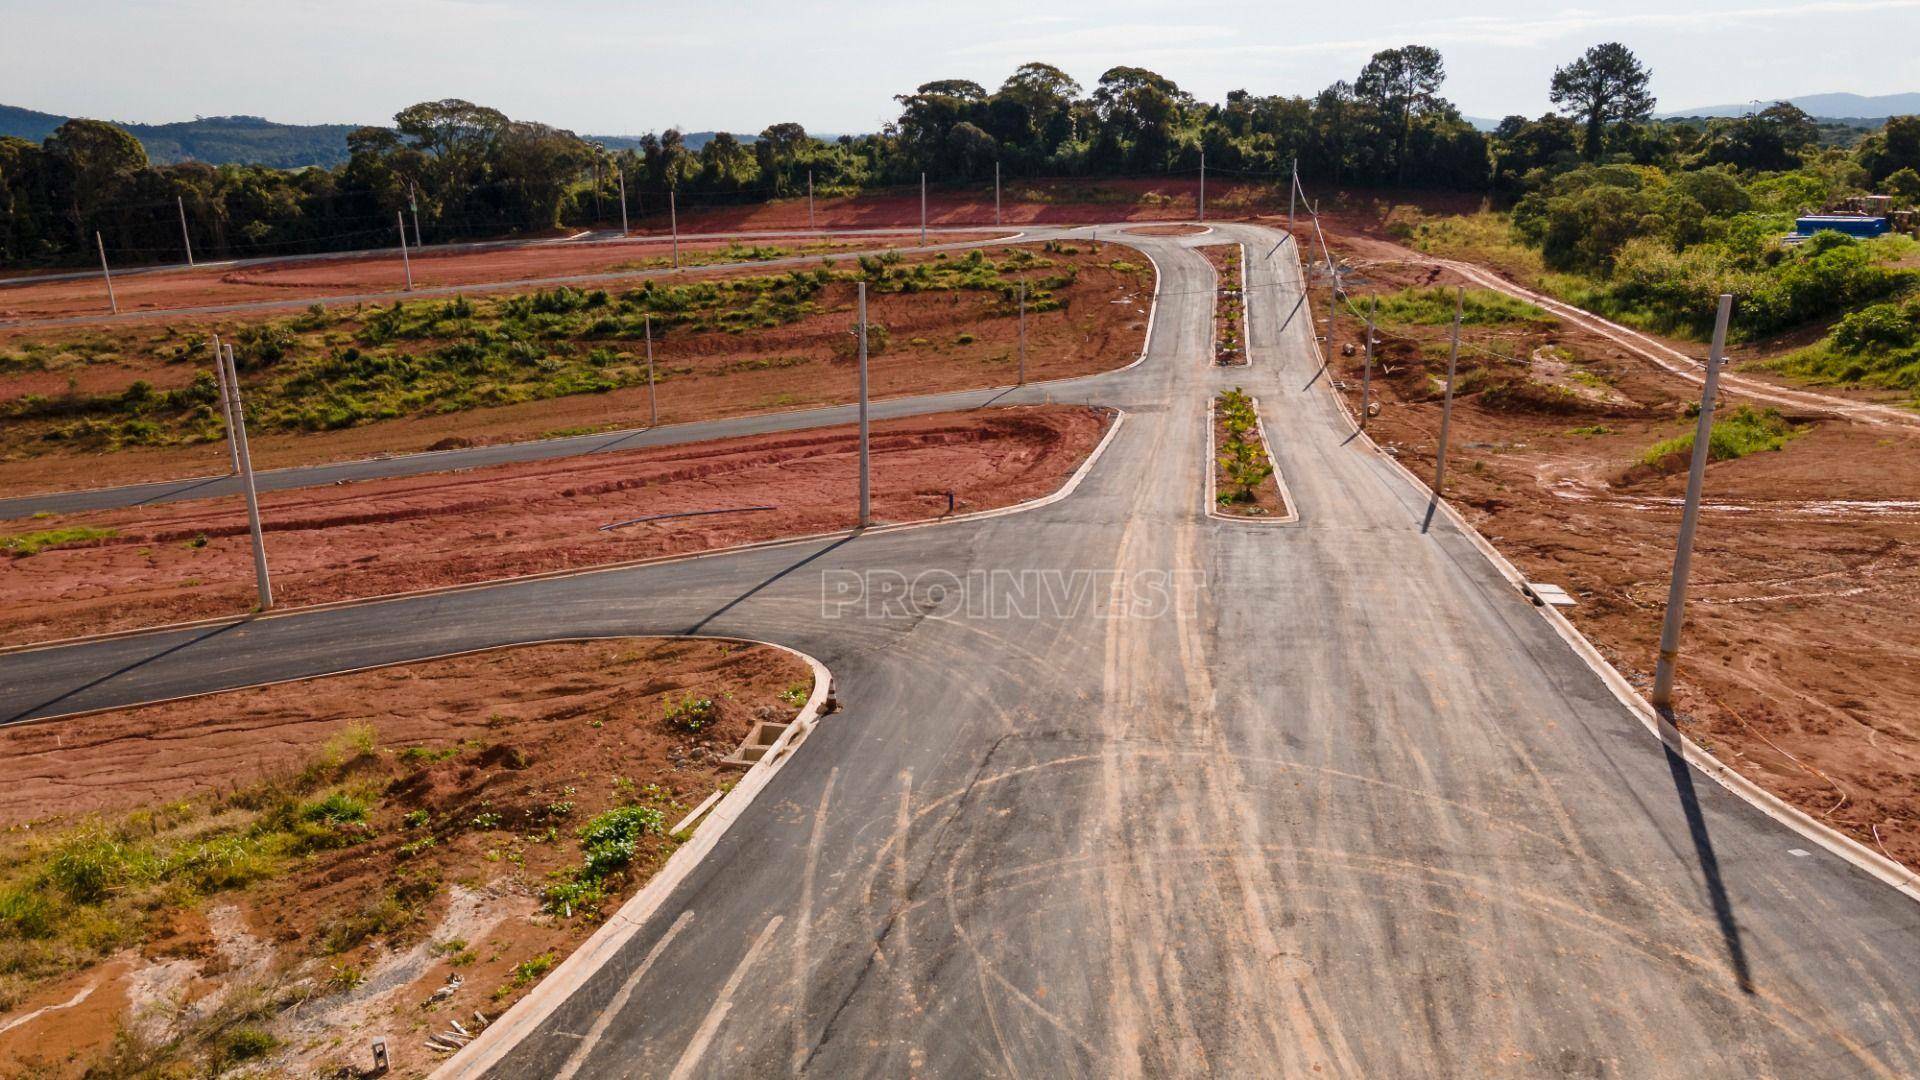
{"x": 1138, "y": 110}
{"x": 1605, "y": 85}
{"x": 90, "y": 158}
{"x": 1399, "y": 83}
{"x": 1894, "y": 147}
{"x": 1768, "y": 141}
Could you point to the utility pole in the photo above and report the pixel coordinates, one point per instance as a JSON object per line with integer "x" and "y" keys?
{"x": 406, "y": 262}
{"x": 1366, "y": 377}
{"x": 1690, "y": 515}
{"x": 1446, "y": 409}
{"x": 239, "y": 421}
{"x": 996, "y": 193}
{"x": 923, "y": 209}
{"x": 809, "y": 198}
{"x": 186, "y": 241}
{"x": 673, "y": 219}
{"x": 106, "y": 273}
{"x": 653, "y": 400}
{"x": 623, "y": 202}
{"x": 1293, "y": 192}
{"x": 598, "y": 215}
{"x": 866, "y": 482}
{"x": 226, "y": 407}
{"x": 413, "y": 203}
{"x": 1203, "y": 185}
{"x": 1023, "y": 333}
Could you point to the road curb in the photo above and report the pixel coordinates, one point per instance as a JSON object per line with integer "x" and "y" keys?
{"x": 1862, "y": 857}
{"x": 513, "y": 1026}
{"x": 1066, "y": 489}
{"x": 1291, "y": 517}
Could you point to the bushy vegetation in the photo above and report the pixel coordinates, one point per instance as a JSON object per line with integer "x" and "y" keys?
{"x": 1878, "y": 345}
{"x": 608, "y": 845}
{"x": 1745, "y": 430}
{"x": 1242, "y": 457}
{"x": 74, "y": 895}
{"x": 325, "y": 370}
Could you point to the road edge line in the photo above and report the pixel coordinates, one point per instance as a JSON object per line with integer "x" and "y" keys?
{"x": 512, "y": 1027}
{"x": 1862, "y": 857}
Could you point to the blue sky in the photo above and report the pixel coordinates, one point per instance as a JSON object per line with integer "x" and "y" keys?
{"x": 614, "y": 68}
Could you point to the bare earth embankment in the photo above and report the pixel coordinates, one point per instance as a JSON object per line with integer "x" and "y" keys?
{"x": 270, "y": 877}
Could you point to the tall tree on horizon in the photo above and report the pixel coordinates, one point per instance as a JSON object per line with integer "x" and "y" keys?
{"x": 1607, "y": 84}
{"x": 1399, "y": 83}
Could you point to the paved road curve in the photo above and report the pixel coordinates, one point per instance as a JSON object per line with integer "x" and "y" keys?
{"x": 1344, "y": 803}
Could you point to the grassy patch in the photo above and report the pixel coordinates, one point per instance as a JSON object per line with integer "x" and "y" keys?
{"x": 421, "y": 358}
{"x": 608, "y": 845}
{"x": 1480, "y": 307}
{"x": 71, "y": 896}
{"x": 34, "y": 543}
{"x": 1736, "y": 434}
{"x": 1878, "y": 345}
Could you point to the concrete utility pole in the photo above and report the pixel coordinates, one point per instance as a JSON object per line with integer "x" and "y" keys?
{"x": 653, "y": 400}
{"x": 673, "y": 220}
{"x": 923, "y": 209}
{"x": 226, "y": 406}
{"x": 1023, "y": 333}
{"x": 1366, "y": 377}
{"x": 186, "y": 241}
{"x": 866, "y": 481}
{"x": 996, "y": 193}
{"x": 1446, "y": 409}
{"x": 1293, "y": 191}
{"x": 623, "y": 202}
{"x": 106, "y": 273}
{"x": 809, "y": 198}
{"x": 1203, "y": 185}
{"x": 1689, "y": 517}
{"x": 239, "y": 420}
{"x": 404, "y": 260}
{"x": 413, "y": 204}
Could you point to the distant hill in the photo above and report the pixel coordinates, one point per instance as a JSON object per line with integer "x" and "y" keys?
{"x": 1834, "y": 106}
{"x": 692, "y": 140}
{"x": 216, "y": 140}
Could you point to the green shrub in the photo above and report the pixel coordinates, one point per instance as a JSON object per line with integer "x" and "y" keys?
{"x": 1736, "y": 434}
{"x": 690, "y": 713}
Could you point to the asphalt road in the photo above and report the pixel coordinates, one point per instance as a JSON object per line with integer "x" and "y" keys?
{"x": 1336, "y": 800}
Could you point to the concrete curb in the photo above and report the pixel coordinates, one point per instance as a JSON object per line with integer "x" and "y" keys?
{"x": 1066, "y": 489}
{"x": 513, "y": 1026}
{"x": 1291, "y": 517}
{"x": 1834, "y": 841}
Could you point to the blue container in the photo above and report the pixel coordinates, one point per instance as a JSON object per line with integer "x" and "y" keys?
{"x": 1851, "y": 224}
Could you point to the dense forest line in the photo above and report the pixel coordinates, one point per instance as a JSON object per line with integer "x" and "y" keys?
{"x": 469, "y": 171}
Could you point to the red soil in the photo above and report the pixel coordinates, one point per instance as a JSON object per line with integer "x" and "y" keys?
{"x": 382, "y": 271}
{"x": 1267, "y": 501}
{"x": 703, "y": 376}
{"x": 536, "y": 737}
{"x": 391, "y": 536}
{"x": 1800, "y": 664}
